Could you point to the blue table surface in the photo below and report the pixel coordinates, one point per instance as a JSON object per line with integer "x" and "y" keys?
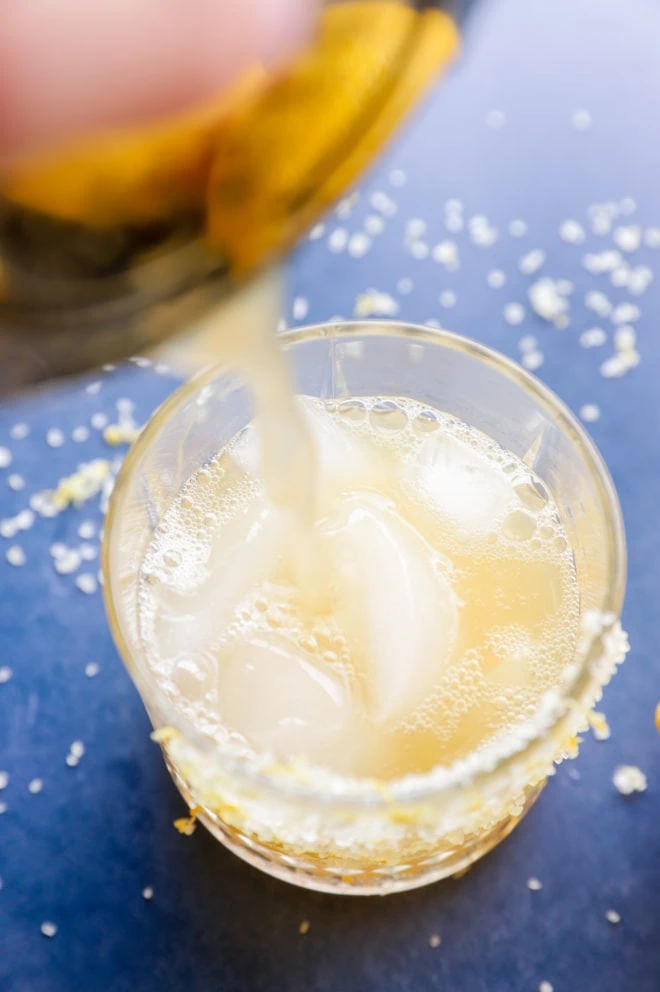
{"x": 81, "y": 851}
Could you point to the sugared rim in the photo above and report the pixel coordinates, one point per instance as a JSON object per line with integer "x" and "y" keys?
{"x": 304, "y": 781}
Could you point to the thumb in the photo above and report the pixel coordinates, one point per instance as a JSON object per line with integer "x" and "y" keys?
{"x": 68, "y": 67}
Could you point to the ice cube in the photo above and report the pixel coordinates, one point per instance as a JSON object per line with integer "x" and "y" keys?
{"x": 282, "y": 702}
{"x": 461, "y": 483}
{"x": 196, "y": 600}
{"x": 396, "y": 604}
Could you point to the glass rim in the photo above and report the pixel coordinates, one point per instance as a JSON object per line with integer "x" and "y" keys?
{"x": 302, "y": 781}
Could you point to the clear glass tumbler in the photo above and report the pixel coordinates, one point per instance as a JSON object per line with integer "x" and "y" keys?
{"x": 315, "y": 828}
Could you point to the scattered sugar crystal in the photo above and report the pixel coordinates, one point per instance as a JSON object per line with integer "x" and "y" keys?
{"x": 593, "y": 338}
{"x": 447, "y": 298}
{"x": 517, "y": 228}
{"x": 87, "y": 583}
{"x": 317, "y": 232}
{"x": 628, "y": 238}
{"x": 58, "y": 550}
{"x": 35, "y": 786}
{"x": 68, "y": 562}
{"x": 147, "y": 893}
{"x": 418, "y": 249}
{"x": 397, "y": 178}
{"x": 88, "y": 552}
{"x": 534, "y": 885}
{"x": 625, "y": 338}
{"x": 374, "y": 225}
{"x": 98, "y": 421}
{"x": 613, "y": 917}
{"x": 598, "y": 302}
{"x": 432, "y": 322}
{"x": 5, "y": 457}
{"x": 77, "y": 749}
{"x": 383, "y": 203}
{"x": 404, "y": 286}
{"x": 599, "y": 725}
{"x": 92, "y": 668}
{"x": 71, "y": 760}
{"x": 590, "y": 413}
{"x": 652, "y": 237}
{"x": 495, "y": 119}
{"x": 482, "y": 232}
{"x": 435, "y": 940}
{"x": 527, "y": 343}
{"x": 92, "y": 388}
{"x": 4, "y": 780}
{"x": 546, "y": 987}
{"x": 54, "y": 437}
{"x": 446, "y": 253}
{"x": 5, "y": 674}
{"x": 141, "y": 361}
{"x": 514, "y": 313}
{"x": 359, "y": 244}
{"x": 24, "y": 519}
{"x": 572, "y": 232}
{"x": 48, "y": 929}
{"x": 87, "y": 530}
{"x": 79, "y": 434}
{"x": 16, "y": 556}
{"x": 640, "y": 279}
{"x": 547, "y": 301}
{"x": 496, "y": 278}
{"x": 373, "y": 303}
{"x": 531, "y": 262}
{"x": 300, "y": 308}
{"x": 19, "y": 431}
{"x": 620, "y": 275}
{"x": 8, "y": 527}
{"x": 627, "y": 206}
{"x": 628, "y": 779}
{"x": 454, "y": 206}
{"x": 604, "y": 261}
{"x": 338, "y": 240}
{"x": 16, "y": 482}
{"x": 415, "y": 228}
{"x": 625, "y": 313}
{"x": 618, "y": 364}
{"x": 125, "y": 432}
{"x": 3, "y": 808}
{"x": 532, "y": 360}
{"x": 581, "y": 120}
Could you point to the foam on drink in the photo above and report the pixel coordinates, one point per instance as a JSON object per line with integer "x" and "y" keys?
{"x": 446, "y": 602}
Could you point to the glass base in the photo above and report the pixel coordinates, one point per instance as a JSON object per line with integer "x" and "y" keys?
{"x": 382, "y": 881}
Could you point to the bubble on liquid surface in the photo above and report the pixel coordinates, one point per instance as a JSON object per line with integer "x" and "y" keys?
{"x": 388, "y": 416}
{"x": 519, "y": 526}
{"x": 397, "y": 605}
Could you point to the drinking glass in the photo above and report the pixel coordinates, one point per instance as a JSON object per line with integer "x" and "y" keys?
{"x": 307, "y": 825}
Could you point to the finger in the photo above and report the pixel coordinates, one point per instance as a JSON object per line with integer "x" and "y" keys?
{"x": 71, "y": 66}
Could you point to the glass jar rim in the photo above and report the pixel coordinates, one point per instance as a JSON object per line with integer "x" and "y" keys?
{"x": 298, "y": 779}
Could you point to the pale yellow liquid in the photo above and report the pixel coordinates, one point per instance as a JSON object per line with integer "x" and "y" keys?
{"x": 415, "y": 608}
